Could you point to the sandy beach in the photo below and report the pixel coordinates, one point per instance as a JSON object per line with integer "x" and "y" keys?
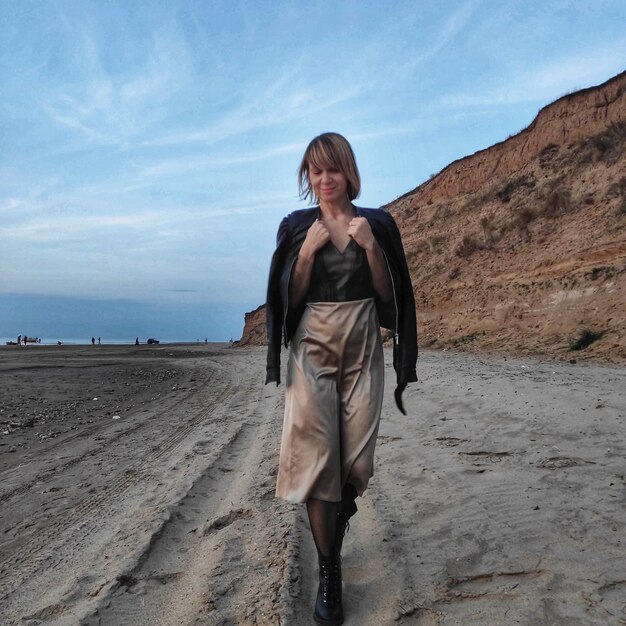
{"x": 137, "y": 488}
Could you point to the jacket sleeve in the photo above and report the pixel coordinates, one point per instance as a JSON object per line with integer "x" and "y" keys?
{"x": 405, "y": 353}
{"x": 273, "y": 304}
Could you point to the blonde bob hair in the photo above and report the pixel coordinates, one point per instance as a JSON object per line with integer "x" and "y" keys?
{"x": 332, "y": 151}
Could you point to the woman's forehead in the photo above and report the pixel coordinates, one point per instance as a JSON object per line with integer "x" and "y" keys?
{"x": 321, "y": 158}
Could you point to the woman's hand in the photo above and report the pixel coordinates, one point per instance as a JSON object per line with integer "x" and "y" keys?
{"x": 316, "y": 237}
{"x": 359, "y": 229}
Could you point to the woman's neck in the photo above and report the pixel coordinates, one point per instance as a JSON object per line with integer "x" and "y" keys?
{"x": 336, "y": 210}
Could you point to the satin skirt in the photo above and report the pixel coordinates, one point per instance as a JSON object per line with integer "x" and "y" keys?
{"x": 333, "y": 400}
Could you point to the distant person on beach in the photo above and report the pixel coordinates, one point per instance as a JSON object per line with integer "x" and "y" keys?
{"x": 25, "y": 339}
{"x": 338, "y": 273}
{"x": 93, "y": 341}
{"x": 98, "y": 340}
{"x": 19, "y": 339}
{"x": 137, "y": 341}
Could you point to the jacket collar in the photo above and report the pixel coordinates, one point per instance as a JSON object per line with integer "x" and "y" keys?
{"x": 318, "y": 211}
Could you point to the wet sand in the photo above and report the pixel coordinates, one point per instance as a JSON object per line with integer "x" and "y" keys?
{"x": 137, "y": 488}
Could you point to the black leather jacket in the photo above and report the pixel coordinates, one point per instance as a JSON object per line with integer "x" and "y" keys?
{"x": 398, "y": 315}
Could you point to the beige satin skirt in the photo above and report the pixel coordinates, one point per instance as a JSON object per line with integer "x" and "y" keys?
{"x": 333, "y": 399}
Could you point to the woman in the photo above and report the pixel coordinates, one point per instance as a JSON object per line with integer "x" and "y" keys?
{"x": 338, "y": 274}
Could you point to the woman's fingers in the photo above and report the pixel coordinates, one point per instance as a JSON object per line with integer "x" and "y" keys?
{"x": 320, "y": 232}
{"x": 316, "y": 237}
{"x": 359, "y": 229}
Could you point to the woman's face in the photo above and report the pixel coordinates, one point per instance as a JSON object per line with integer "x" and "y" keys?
{"x": 329, "y": 184}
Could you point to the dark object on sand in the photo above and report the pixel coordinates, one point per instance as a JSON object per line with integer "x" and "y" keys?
{"x": 151, "y": 340}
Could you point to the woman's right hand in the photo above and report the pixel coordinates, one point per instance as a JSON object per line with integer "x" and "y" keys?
{"x": 316, "y": 237}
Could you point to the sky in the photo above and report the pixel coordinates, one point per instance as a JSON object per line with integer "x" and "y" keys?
{"x": 150, "y": 149}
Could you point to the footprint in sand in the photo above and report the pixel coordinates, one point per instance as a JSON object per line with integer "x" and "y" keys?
{"x": 48, "y": 612}
{"x": 225, "y": 520}
{"x": 558, "y": 462}
{"x": 488, "y": 585}
{"x": 449, "y": 442}
{"x": 481, "y": 456}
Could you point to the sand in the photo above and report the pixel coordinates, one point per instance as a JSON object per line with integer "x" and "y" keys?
{"x": 137, "y": 488}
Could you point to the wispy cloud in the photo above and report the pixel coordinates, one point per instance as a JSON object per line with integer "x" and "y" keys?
{"x": 262, "y": 111}
{"x": 167, "y": 168}
{"x": 59, "y": 228}
{"x": 547, "y": 81}
{"x": 112, "y": 108}
{"x": 443, "y": 37}
{"x": 391, "y": 131}
{"x": 9, "y": 205}
{"x": 146, "y": 224}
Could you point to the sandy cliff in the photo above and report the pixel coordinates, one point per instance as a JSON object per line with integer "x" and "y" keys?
{"x": 521, "y": 248}
{"x": 254, "y": 328}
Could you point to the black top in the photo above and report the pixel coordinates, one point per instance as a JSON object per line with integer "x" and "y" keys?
{"x": 340, "y": 276}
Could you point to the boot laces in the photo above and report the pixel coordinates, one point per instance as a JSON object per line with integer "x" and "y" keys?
{"x": 325, "y": 574}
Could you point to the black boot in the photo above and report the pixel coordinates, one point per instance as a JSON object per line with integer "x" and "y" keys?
{"x": 328, "y": 609}
{"x": 347, "y": 508}
{"x": 336, "y": 578}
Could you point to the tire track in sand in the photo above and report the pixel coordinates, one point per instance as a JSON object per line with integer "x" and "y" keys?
{"x": 106, "y": 439}
{"x": 77, "y": 530}
{"x": 45, "y": 543}
{"x": 226, "y": 553}
{"x": 147, "y": 592}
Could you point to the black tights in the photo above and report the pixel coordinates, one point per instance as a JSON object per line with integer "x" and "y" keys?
{"x": 323, "y": 519}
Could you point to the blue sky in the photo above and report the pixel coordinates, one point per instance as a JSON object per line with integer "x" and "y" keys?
{"x": 149, "y": 149}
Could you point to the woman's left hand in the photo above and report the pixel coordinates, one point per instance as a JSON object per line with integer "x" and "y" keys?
{"x": 359, "y": 229}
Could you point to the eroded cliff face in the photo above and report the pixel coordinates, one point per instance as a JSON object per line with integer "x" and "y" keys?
{"x": 569, "y": 121}
{"x": 521, "y": 248}
{"x": 254, "y": 333}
